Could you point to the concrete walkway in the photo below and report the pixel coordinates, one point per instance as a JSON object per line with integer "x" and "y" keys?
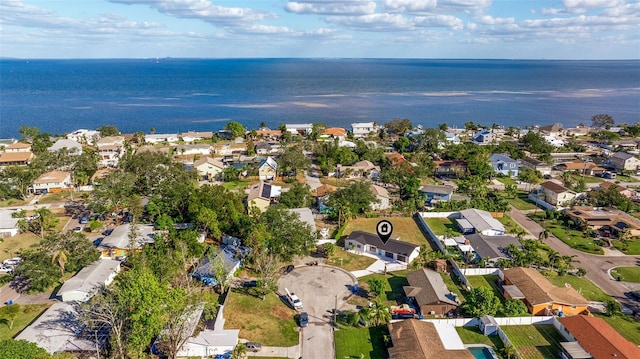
{"x": 379, "y": 266}
{"x": 277, "y": 352}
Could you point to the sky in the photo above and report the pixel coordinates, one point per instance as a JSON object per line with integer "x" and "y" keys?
{"x": 499, "y": 29}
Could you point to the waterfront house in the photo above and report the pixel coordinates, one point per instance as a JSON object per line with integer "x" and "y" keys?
{"x": 161, "y": 138}
{"x": 52, "y": 182}
{"x": 268, "y": 169}
{"x": 73, "y": 147}
{"x": 504, "y": 165}
{"x": 363, "y": 129}
{"x": 193, "y": 136}
{"x": 110, "y": 150}
{"x": 85, "y": 137}
{"x": 430, "y": 293}
{"x": 540, "y": 296}
{"x": 15, "y": 159}
{"x": 483, "y": 137}
{"x": 192, "y": 150}
{"x": 269, "y": 134}
{"x": 18, "y": 147}
{"x": 394, "y": 249}
{"x": 557, "y": 194}
{"x": 334, "y": 132}
{"x": 89, "y": 280}
{"x": 299, "y": 128}
{"x": 481, "y": 221}
{"x": 596, "y": 338}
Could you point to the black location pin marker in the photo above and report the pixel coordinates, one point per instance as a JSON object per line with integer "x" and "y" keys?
{"x": 384, "y": 229}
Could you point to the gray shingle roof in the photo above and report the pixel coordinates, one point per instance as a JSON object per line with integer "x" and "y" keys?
{"x": 393, "y": 246}
{"x": 491, "y": 247}
{"x": 481, "y": 220}
{"x": 427, "y": 287}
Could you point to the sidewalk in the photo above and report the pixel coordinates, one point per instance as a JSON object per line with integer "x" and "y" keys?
{"x": 379, "y": 266}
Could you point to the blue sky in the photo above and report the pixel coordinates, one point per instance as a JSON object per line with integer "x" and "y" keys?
{"x": 509, "y": 29}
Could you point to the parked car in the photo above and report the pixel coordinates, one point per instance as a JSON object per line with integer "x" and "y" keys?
{"x": 84, "y": 220}
{"x": 304, "y": 319}
{"x": 287, "y": 269}
{"x": 77, "y": 229}
{"x": 293, "y": 300}
{"x": 6, "y": 269}
{"x": 12, "y": 261}
{"x": 250, "y": 284}
{"x": 253, "y": 346}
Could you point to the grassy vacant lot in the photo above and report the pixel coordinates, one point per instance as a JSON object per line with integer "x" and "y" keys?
{"x": 625, "y": 325}
{"x": 534, "y": 341}
{"x": 472, "y": 335}
{"x": 403, "y": 227}
{"x": 439, "y": 225}
{"x": 574, "y": 238}
{"x": 393, "y": 291}
{"x": 582, "y": 285}
{"x": 349, "y": 261}
{"x": 627, "y": 274}
{"x": 28, "y": 314}
{"x": 267, "y": 321}
{"x": 521, "y": 201}
{"x": 361, "y": 343}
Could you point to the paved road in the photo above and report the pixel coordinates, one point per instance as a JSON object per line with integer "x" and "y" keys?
{"x": 321, "y": 289}
{"x": 311, "y": 177}
{"x": 597, "y": 266}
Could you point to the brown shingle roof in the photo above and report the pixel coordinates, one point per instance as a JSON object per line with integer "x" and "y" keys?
{"x": 8, "y": 157}
{"x": 599, "y": 338}
{"x": 427, "y": 287}
{"x": 51, "y": 177}
{"x": 538, "y": 290}
{"x": 18, "y": 146}
{"x": 335, "y": 131}
{"x": 414, "y": 339}
{"x": 554, "y": 187}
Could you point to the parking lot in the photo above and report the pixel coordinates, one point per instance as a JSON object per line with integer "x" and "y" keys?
{"x": 321, "y": 289}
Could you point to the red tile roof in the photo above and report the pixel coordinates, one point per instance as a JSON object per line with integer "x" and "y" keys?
{"x": 599, "y": 338}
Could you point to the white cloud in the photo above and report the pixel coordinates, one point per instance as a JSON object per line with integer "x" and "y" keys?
{"x": 439, "y": 21}
{"x": 332, "y": 7}
{"x": 410, "y": 5}
{"x": 373, "y": 22}
{"x": 490, "y": 20}
{"x": 582, "y": 6}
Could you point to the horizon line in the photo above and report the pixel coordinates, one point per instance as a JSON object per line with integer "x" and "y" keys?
{"x": 313, "y": 58}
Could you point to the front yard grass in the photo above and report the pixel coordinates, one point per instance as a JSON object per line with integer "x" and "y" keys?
{"x": 489, "y": 281}
{"x": 521, "y": 201}
{"x": 349, "y": 261}
{"x": 509, "y": 224}
{"x": 583, "y": 286}
{"x": 627, "y": 274}
{"x": 361, "y": 342}
{"x": 534, "y": 341}
{"x": 267, "y": 321}
{"x": 25, "y": 317}
{"x": 625, "y": 325}
{"x": 472, "y": 335}
{"x": 10, "y": 247}
{"x": 393, "y": 292}
{"x": 403, "y": 227}
{"x": 631, "y": 247}
{"x": 11, "y": 202}
{"x": 572, "y": 237}
{"x": 439, "y": 225}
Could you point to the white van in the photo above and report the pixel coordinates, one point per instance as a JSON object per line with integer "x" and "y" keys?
{"x": 293, "y": 300}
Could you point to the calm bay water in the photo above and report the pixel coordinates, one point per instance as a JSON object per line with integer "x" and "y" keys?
{"x": 175, "y": 95}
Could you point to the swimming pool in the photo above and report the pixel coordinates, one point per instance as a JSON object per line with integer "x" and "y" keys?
{"x": 482, "y": 352}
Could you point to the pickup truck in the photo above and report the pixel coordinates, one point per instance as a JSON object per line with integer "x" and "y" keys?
{"x": 293, "y": 300}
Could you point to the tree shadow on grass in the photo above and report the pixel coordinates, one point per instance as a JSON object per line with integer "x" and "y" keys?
{"x": 378, "y": 342}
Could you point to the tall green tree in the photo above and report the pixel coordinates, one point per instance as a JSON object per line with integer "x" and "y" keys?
{"x": 602, "y": 120}
{"x": 399, "y": 126}
{"x": 481, "y": 301}
{"x": 377, "y": 286}
{"x": 10, "y": 313}
{"x": 288, "y": 235}
{"x": 16, "y": 180}
{"x": 298, "y": 196}
{"x": 22, "y": 349}
{"x": 356, "y": 199}
{"x": 236, "y": 129}
{"x": 108, "y": 130}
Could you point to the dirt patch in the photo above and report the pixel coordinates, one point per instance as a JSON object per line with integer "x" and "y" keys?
{"x": 281, "y": 313}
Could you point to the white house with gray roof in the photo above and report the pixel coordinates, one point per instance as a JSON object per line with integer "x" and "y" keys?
{"x": 362, "y": 242}
{"x": 482, "y": 222}
{"x": 89, "y": 280}
{"x": 72, "y": 146}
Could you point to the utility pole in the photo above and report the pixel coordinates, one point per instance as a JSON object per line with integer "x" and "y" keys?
{"x": 335, "y": 311}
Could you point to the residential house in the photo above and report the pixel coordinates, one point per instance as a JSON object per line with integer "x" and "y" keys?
{"x": 59, "y": 330}
{"x": 452, "y": 138}
{"x": 118, "y": 244}
{"x": 299, "y": 128}
{"x": 610, "y": 221}
{"x": 193, "y": 136}
{"x": 110, "y": 149}
{"x": 363, "y": 129}
{"x": 268, "y": 169}
{"x": 599, "y": 339}
{"x": 504, "y": 165}
{"x": 436, "y": 193}
{"x": 15, "y": 158}
{"x": 584, "y": 167}
{"x": 416, "y": 339}
{"x": 85, "y": 137}
{"x": 557, "y": 194}
{"x": 490, "y": 248}
{"x": 73, "y": 147}
{"x": 359, "y": 169}
{"x": 535, "y": 164}
{"x": 482, "y": 222}
{"x": 18, "y": 147}
{"x": 554, "y": 141}
{"x": 624, "y": 161}
{"x": 334, "y": 132}
{"x": 8, "y": 224}
{"x": 231, "y": 260}
{"x": 52, "y": 182}
{"x": 192, "y": 150}
{"x": 306, "y": 216}
{"x": 483, "y": 137}
{"x": 268, "y": 148}
{"x": 269, "y": 134}
{"x": 363, "y": 242}
{"x": 261, "y": 196}
{"x": 382, "y": 195}
{"x": 542, "y": 297}
{"x": 89, "y": 280}
{"x": 430, "y": 293}
{"x": 161, "y": 138}
{"x": 627, "y": 192}
{"x": 454, "y": 169}
{"x": 555, "y": 130}
{"x": 209, "y": 168}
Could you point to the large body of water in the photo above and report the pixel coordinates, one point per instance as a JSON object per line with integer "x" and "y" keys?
{"x": 174, "y": 95}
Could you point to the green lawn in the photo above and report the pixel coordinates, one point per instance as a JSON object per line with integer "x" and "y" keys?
{"x": 627, "y": 274}
{"x": 631, "y": 247}
{"x": 587, "y": 179}
{"x": 11, "y": 202}
{"x": 623, "y": 178}
{"x": 472, "y": 335}
{"x": 236, "y": 185}
{"x": 534, "y": 341}
{"x": 625, "y": 325}
{"x": 267, "y": 321}
{"x": 393, "y": 291}
{"x": 521, "y": 202}
{"x": 506, "y": 180}
{"x": 28, "y": 314}
{"x": 349, "y": 261}
{"x": 452, "y": 285}
{"x": 477, "y": 281}
{"x": 574, "y": 238}
{"x": 583, "y": 286}
{"x": 439, "y": 225}
{"x": 361, "y": 343}
{"x": 509, "y": 224}
{"x": 403, "y": 227}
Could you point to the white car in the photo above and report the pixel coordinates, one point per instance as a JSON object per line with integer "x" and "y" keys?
{"x": 12, "y": 261}
{"x": 6, "y": 269}
{"x": 293, "y": 299}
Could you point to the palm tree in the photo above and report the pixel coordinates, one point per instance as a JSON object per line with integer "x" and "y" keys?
{"x": 380, "y": 314}
{"x": 543, "y": 235}
{"x": 61, "y": 256}
{"x": 239, "y": 351}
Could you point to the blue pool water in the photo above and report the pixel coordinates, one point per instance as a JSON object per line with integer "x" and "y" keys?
{"x": 481, "y": 352}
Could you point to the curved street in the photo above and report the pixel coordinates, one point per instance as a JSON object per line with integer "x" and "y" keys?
{"x": 597, "y": 266}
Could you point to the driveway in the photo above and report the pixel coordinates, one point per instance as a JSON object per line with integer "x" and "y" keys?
{"x": 312, "y": 179}
{"x": 321, "y": 289}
